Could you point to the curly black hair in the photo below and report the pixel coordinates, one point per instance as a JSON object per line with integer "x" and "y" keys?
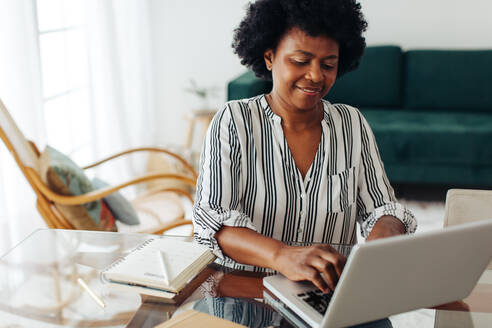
{"x": 267, "y": 21}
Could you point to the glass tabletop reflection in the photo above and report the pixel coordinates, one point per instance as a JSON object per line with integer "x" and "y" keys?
{"x": 39, "y": 282}
{"x": 39, "y": 279}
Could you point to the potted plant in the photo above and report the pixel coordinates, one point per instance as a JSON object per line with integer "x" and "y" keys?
{"x": 203, "y": 94}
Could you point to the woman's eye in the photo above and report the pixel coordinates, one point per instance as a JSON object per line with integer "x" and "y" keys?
{"x": 300, "y": 62}
{"x": 327, "y": 67}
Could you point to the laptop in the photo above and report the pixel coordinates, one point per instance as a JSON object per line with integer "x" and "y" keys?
{"x": 389, "y": 276}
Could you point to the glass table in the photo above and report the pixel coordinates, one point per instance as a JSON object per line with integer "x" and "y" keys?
{"x": 39, "y": 285}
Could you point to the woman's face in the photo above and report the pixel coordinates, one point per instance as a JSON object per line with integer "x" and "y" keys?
{"x": 303, "y": 69}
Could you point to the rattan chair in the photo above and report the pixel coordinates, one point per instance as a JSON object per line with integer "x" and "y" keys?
{"x": 26, "y": 155}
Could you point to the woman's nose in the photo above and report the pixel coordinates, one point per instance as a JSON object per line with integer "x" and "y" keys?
{"x": 314, "y": 74}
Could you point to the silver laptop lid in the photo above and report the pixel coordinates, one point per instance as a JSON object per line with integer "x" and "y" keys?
{"x": 404, "y": 273}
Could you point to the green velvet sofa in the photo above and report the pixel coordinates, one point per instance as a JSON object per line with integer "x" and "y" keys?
{"x": 430, "y": 110}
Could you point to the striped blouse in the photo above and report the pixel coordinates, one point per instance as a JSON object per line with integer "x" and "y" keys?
{"x": 248, "y": 178}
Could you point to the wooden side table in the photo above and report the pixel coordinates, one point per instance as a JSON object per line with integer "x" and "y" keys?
{"x": 203, "y": 118}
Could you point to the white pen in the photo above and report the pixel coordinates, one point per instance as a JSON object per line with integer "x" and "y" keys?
{"x": 91, "y": 293}
{"x": 165, "y": 273}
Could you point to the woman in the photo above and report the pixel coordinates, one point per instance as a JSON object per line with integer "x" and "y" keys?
{"x": 289, "y": 166}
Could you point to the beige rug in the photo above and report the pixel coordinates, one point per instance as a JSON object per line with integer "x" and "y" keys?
{"x": 429, "y": 214}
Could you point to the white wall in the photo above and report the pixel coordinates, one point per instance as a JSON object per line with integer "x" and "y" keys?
{"x": 429, "y": 23}
{"x": 191, "y": 39}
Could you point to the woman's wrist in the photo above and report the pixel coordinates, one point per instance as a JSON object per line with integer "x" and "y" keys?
{"x": 276, "y": 263}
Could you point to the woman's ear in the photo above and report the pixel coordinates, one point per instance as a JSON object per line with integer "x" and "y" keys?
{"x": 268, "y": 56}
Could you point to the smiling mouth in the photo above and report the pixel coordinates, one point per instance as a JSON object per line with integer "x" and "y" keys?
{"x": 310, "y": 91}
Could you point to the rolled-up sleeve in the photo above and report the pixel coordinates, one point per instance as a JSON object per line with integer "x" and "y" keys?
{"x": 218, "y": 194}
{"x": 376, "y": 197}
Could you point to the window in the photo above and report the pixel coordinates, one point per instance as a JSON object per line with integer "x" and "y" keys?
{"x": 65, "y": 79}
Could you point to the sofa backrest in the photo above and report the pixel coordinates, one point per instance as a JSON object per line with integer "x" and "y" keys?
{"x": 376, "y": 83}
{"x": 247, "y": 85}
{"x": 417, "y": 79}
{"x": 448, "y": 79}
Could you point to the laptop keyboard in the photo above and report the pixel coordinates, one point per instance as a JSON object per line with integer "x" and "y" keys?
{"x": 317, "y": 300}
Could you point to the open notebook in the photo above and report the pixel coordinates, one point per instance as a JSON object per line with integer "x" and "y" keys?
{"x": 143, "y": 268}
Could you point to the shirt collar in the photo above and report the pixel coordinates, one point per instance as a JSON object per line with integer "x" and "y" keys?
{"x": 268, "y": 111}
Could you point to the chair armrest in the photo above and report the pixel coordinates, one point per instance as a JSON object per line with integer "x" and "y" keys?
{"x": 147, "y": 149}
{"x": 98, "y": 194}
{"x": 160, "y": 190}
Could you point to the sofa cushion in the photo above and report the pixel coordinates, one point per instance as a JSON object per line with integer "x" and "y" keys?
{"x": 450, "y": 80}
{"x": 118, "y": 205}
{"x": 65, "y": 177}
{"x": 430, "y": 137}
{"x": 377, "y": 81}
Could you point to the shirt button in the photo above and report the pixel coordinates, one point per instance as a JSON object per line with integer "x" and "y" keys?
{"x": 302, "y": 196}
{"x": 299, "y": 230}
{"x": 302, "y": 212}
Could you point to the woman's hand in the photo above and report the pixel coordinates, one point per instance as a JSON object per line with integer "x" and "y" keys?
{"x": 296, "y": 263}
{"x": 387, "y": 226}
{"x": 309, "y": 262}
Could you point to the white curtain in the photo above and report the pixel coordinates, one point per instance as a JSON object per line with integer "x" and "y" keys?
{"x": 20, "y": 91}
{"x": 121, "y": 96}
{"x": 122, "y": 82}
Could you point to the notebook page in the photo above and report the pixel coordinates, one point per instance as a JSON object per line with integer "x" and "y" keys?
{"x": 143, "y": 264}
